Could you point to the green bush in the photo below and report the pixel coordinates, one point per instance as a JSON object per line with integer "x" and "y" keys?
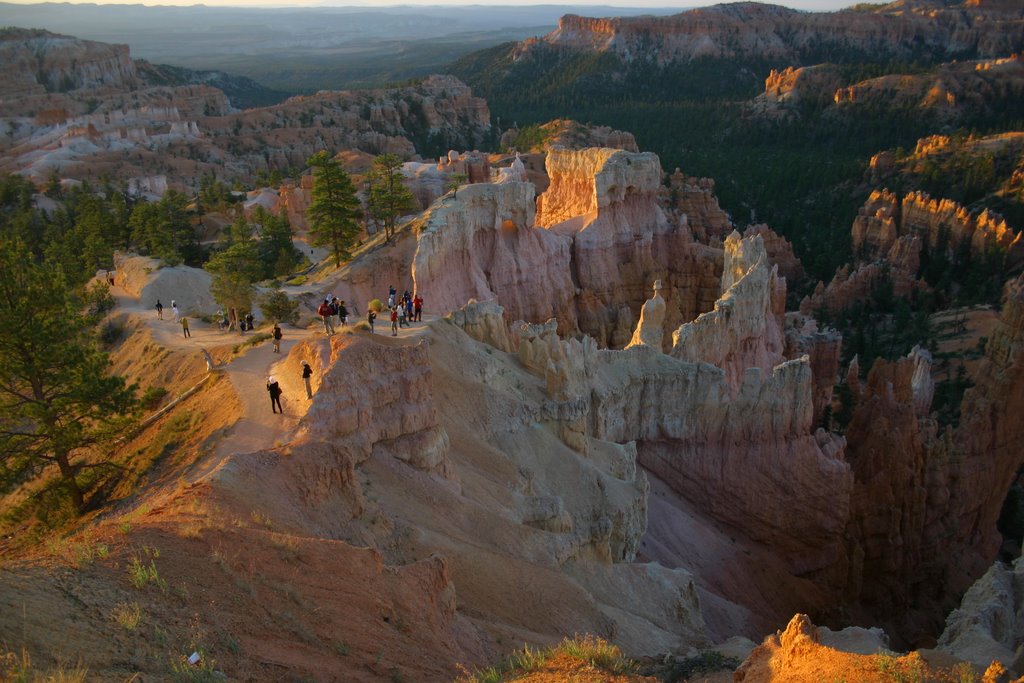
{"x": 375, "y": 305}
{"x": 152, "y": 396}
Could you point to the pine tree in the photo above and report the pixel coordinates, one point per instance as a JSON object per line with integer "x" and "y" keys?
{"x": 334, "y": 212}
{"x": 58, "y": 404}
{"x": 234, "y": 271}
{"x": 389, "y": 197}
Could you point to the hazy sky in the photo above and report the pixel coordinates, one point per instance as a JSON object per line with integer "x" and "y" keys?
{"x": 819, "y": 5}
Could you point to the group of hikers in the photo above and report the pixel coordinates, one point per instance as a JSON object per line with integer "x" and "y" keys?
{"x": 329, "y": 309}
{"x": 225, "y": 322}
{"x": 178, "y": 317}
{"x": 402, "y": 311}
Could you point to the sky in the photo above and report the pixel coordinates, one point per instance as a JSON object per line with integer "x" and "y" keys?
{"x": 814, "y": 5}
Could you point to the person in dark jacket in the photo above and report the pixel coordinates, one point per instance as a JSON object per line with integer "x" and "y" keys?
{"x": 275, "y": 394}
{"x": 307, "y": 372}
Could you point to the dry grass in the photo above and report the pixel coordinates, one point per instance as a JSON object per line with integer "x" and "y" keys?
{"x": 19, "y": 669}
{"x": 128, "y": 616}
{"x": 595, "y": 651}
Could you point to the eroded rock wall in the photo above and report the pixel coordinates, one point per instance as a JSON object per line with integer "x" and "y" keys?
{"x": 607, "y": 201}
{"x": 482, "y": 245}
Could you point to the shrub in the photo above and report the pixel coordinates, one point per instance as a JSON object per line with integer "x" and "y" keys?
{"x": 111, "y": 333}
{"x": 375, "y": 305}
{"x": 278, "y": 306}
{"x": 128, "y": 616}
{"x": 152, "y": 396}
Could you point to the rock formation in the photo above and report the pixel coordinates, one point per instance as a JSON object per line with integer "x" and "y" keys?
{"x": 786, "y": 91}
{"x": 951, "y": 91}
{"x": 482, "y": 245}
{"x": 989, "y": 626}
{"x": 745, "y": 328}
{"x": 586, "y": 257}
{"x": 649, "y": 331}
{"x": 940, "y": 223}
{"x": 695, "y": 198}
{"x": 606, "y": 200}
{"x": 889, "y": 236}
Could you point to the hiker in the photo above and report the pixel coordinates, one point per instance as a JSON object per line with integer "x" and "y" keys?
{"x": 408, "y": 309}
{"x": 248, "y": 321}
{"x": 174, "y": 309}
{"x": 275, "y": 394}
{"x": 184, "y": 328}
{"x": 307, "y": 372}
{"x": 417, "y": 304}
{"x": 403, "y": 321}
{"x": 342, "y": 313}
{"x": 277, "y": 337}
{"x": 391, "y": 296}
{"x": 325, "y": 311}
{"x": 222, "y": 321}
{"x": 394, "y": 321}
{"x": 159, "y": 310}
{"x": 370, "y": 317}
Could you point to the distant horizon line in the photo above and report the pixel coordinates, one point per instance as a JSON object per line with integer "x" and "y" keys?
{"x": 802, "y": 5}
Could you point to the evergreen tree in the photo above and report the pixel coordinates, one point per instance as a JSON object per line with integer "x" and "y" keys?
{"x": 334, "y": 212}
{"x": 277, "y": 252}
{"x": 389, "y": 197}
{"x": 58, "y": 404}
{"x": 234, "y": 271}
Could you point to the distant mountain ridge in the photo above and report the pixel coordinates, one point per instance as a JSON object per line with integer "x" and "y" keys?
{"x": 754, "y": 30}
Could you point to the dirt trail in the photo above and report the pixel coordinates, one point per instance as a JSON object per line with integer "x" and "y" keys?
{"x": 259, "y": 428}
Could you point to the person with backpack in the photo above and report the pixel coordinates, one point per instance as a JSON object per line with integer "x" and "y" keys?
{"x": 325, "y": 311}
{"x": 277, "y": 334}
{"x": 307, "y": 372}
{"x": 275, "y": 394}
{"x": 159, "y": 310}
{"x": 342, "y": 313}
